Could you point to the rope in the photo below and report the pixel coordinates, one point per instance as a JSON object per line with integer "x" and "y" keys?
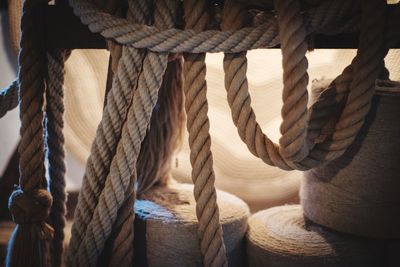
{"x": 14, "y": 21}
{"x": 55, "y": 147}
{"x": 175, "y": 40}
{"x": 119, "y": 182}
{"x": 30, "y": 203}
{"x": 108, "y": 134}
{"x": 8, "y": 98}
{"x": 209, "y": 229}
{"x": 367, "y": 67}
{"x": 293, "y": 141}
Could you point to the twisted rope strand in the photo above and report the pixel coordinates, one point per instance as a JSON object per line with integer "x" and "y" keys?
{"x": 55, "y": 146}
{"x": 8, "y": 98}
{"x": 30, "y": 203}
{"x": 367, "y": 66}
{"x": 293, "y": 143}
{"x": 107, "y": 136}
{"x": 119, "y": 183}
{"x": 195, "y": 87}
{"x": 175, "y": 40}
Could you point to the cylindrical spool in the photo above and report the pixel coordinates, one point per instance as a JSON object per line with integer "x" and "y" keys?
{"x": 166, "y": 227}
{"x": 282, "y": 237}
{"x": 359, "y": 193}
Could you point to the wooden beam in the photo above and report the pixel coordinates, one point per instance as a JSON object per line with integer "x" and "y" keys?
{"x": 64, "y": 30}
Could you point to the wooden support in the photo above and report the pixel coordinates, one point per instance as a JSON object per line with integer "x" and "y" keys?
{"x": 64, "y": 30}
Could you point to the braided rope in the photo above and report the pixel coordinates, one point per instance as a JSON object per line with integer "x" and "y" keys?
{"x": 30, "y": 204}
{"x": 8, "y": 98}
{"x": 108, "y": 134}
{"x": 175, "y": 40}
{"x": 55, "y": 146}
{"x": 209, "y": 229}
{"x": 119, "y": 182}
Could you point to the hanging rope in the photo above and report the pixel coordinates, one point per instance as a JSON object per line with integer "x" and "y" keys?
{"x": 108, "y": 134}
{"x": 8, "y": 98}
{"x": 209, "y": 230}
{"x": 30, "y": 203}
{"x": 119, "y": 183}
{"x": 104, "y": 217}
{"x": 55, "y": 147}
{"x": 175, "y": 40}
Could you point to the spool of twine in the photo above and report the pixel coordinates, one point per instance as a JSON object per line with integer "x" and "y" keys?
{"x": 359, "y": 193}
{"x": 282, "y": 237}
{"x": 166, "y": 227}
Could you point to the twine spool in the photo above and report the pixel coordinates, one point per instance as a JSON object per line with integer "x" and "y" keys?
{"x": 282, "y": 237}
{"x": 359, "y": 193}
{"x": 166, "y": 227}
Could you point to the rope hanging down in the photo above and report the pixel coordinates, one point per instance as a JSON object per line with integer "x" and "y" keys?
{"x": 30, "y": 203}
{"x": 209, "y": 230}
{"x": 108, "y": 133}
{"x": 104, "y": 216}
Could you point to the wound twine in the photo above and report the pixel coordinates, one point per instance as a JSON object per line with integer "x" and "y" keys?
{"x": 282, "y": 237}
{"x": 166, "y": 227}
{"x": 358, "y": 193}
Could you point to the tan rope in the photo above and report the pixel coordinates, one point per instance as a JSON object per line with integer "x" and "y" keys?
{"x": 209, "y": 229}
{"x": 293, "y": 39}
{"x": 367, "y": 67}
{"x": 175, "y": 40}
{"x": 30, "y": 203}
{"x": 8, "y": 98}
{"x": 108, "y": 134}
{"x": 120, "y": 181}
{"x": 14, "y": 21}
{"x": 55, "y": 147}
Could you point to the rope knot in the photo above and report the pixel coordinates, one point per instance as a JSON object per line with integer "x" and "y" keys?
{"x": 30, "y": 207}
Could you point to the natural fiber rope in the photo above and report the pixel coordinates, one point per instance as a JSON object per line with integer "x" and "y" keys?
{"x": 250, "y": 131}
{"x": 8, "y": 98}
{"x": 30, "y": 204}
{"x": 295, "y": 96}
{"x": 14, "y": 21}
{"x": 367, "y": 67}
{"x": 55, "y": 147}
{"x": 119, "y": 183}
{"x": 175, "y": 40}
{"x": 209, "y": 229}
{"x": 108, "y": 134}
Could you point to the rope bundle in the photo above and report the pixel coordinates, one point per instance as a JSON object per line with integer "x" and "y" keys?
{"x": 104, "y": 216}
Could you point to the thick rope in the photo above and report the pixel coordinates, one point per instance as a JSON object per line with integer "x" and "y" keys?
{"x": 293, "y": 38}
{"x": 14, "y": 21}
{"x": 295, "y": 105}
{"x": 108, "y": 134}
{"x": 368, "y": 65}
{"x": 30, "y": 203}
{"x": 9, "y": 98}
{"x": 55, "y": 147}
{"x": 209, "y": 228}
{"x": 120, "y": 181}
{"x": 175, "y": 40}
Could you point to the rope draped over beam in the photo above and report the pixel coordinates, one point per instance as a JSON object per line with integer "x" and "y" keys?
{"x": 104, "y": 217}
